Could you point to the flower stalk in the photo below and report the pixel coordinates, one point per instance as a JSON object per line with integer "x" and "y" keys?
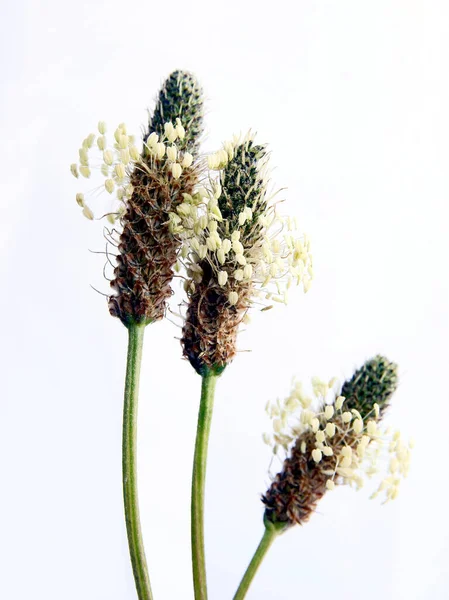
{"x": 270, "y": 534}
{"x": 208, "y": 383}
{"x": 129, "y": 462}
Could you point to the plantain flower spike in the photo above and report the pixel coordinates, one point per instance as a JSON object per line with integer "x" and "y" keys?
{"x": 340, "y": 443}
{"x": 149, "y": 182}
{"x": 237, "y": 249}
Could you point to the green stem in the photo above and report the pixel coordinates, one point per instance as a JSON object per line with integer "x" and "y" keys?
{"x": 268, "y": 538}
{"x": 129, "y": 462}
{"x": 198, "y": 481}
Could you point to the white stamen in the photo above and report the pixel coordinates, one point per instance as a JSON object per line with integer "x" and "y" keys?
{"x": 176, "y": 170}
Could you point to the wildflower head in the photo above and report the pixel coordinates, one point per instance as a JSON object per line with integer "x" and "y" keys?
{"x": 149, "y": 182}
{"x": 237, "y": 249}
{"x": 334, "y": 444}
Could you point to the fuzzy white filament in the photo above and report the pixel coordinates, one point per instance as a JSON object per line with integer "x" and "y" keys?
{"x": 118, "y": 161}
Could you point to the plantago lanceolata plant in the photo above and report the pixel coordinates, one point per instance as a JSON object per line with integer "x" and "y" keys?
{"x": 149, "y": 183}
{"x": 214, "y": 222}
{"x": 237, "y": 248}
{"x": 330, "y": 440}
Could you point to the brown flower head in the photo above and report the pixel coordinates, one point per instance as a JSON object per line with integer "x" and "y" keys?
{"x": 149, "y": 183}
{"x": 236, "y": 246}
{"x": 334, "y": 445}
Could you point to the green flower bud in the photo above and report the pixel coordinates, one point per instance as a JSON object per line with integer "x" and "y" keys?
{"x": 374, "y": 383}
{"x": 180, "y": 97}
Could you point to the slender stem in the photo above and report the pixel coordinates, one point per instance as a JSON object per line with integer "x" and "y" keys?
{"x": 198, "y": 482}
{"x": 129, "y": 462}
{"x": 267, "y": 539}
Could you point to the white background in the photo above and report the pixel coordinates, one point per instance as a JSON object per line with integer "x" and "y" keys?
{"x": 352, "y": 97}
